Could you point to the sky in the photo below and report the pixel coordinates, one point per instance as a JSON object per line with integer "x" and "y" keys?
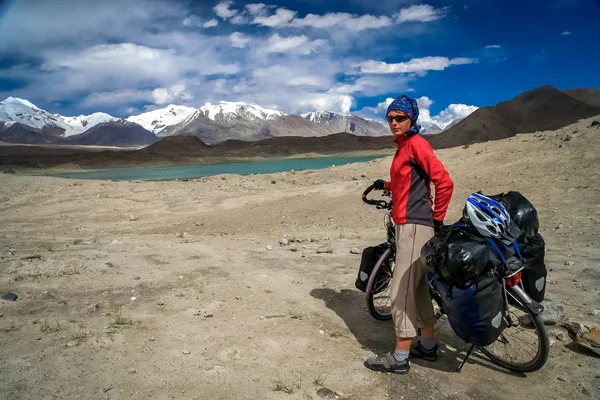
{"x": 75, "y": 57}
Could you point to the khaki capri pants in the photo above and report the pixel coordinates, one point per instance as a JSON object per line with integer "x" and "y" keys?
{"x": 409, "y": 294}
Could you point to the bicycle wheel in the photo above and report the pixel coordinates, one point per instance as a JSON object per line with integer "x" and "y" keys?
{"x": 378, "y": 287}
{"x": 523, "y": 346}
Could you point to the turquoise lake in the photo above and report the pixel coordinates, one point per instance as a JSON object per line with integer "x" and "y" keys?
{"x": 198, "y": 171}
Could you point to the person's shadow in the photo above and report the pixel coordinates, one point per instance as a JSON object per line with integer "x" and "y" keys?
{"x": 379, "y": 336}
{"x": 350, "y": 305}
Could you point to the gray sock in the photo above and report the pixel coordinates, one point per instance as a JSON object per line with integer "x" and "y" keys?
{"x": 428, "y": 343}
{"x": 401, "y": 355}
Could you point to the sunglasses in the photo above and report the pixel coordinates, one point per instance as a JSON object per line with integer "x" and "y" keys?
{"x": 397, "y": 118}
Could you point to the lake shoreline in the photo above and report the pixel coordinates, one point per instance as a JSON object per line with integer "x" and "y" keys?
{"x": 71, "y": 167}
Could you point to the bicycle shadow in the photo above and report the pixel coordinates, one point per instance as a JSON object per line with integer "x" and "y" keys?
{"x": 453, "y": 350}
{"x": 379, "y": 336}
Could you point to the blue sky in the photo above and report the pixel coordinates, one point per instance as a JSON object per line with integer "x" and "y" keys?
{"x": 77, "y": 57}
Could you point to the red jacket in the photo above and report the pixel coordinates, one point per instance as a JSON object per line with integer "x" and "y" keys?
{"x": 413, "y": 168}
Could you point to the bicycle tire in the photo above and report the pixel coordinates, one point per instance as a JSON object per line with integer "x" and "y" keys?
{"x": 543, "y": 350}
{"x": 378, "y": 284}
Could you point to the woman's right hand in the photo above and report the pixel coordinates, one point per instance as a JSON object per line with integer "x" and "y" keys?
{"x": 379, "y": 184}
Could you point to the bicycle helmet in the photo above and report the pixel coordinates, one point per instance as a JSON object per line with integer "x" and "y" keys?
{"x": 490, "y": 219}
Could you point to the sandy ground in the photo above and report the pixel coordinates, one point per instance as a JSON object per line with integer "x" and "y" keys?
{"x": 181, "y": 290}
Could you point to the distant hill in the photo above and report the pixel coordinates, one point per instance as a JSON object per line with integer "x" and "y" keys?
{"x": 176, "y": 145}
{"x": 544, "y": 108}
{"x": 589, "y": 96}
{"x": 16, "y": 132}
{"x": 115, "y": 133}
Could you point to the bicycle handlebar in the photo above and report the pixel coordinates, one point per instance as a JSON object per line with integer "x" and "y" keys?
{"x": 379, "y": 203}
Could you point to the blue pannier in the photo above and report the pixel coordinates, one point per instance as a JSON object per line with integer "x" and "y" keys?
{"x": 476, "y": 314}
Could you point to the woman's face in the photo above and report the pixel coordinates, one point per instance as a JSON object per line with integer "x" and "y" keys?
{"x": 399, "y": 122}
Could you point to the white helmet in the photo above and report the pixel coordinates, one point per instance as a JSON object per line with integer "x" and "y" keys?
{"x": 490, "y": 219}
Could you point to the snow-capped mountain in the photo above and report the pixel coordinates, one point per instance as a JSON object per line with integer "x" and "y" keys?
{"x": 430, "y": 128}
{"x": 212, "y": 123}
{"x": 157, "y": 120}
{"x": 82, "y": 123}
{"x": 14, "y": 109}
{"x": 22, "y": 111}
{"x": 226, "y": 111}
{"x": 347, "y": 123}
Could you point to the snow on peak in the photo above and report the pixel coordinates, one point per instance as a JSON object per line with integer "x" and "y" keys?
{"x": 322, "y": 116}
{"x": 157, "y": 120}
{"x": 17, "y": 101}
{"x": 14, "y": 109}
{"x": 228, "y": 109}
{"x": 84, "y": 122}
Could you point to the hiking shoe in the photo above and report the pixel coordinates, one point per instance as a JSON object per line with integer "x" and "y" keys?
{"x": 418, "y": 351}
{"x": 387, "y": 363}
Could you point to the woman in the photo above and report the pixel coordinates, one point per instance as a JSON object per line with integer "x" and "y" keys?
{"x": 416, "y": 217}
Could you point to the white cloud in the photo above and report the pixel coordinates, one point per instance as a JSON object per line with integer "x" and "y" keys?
{"x": 493, "y": 46}
{"x": 288, "y": 76}
{"x": 566, "y": 33}
{"x": 239, "y": 40}
{"x": 110, "y": 99}
{"x": 210, "y": 23}
{"x": 344, "y": 20}
{"x": 321, "y": 21}
{"x": 59, "y": 23}
{"x": 326, "y": 101}
{"x": 421, "y": 13}
{"x": 416, "y": 65}
{"x": 256, "y": 8}
{"x": 444, "y": 118}
{"x": 293, "y": 44}
{"x": 222, "y": 10}
{"x": 155, "y": 58}
{"x": 281, "y": 18}
{"x": 174, "y": 93}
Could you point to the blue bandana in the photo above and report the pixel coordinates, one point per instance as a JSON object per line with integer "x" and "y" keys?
{"x": 410, "y": 107}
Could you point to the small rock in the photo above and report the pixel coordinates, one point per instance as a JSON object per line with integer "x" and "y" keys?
{"x": 293, "y": 248}
{"x": 553, "y": 312}
{"x": 575, "y": 327}
{"x": 273, "y": 182}
{"x": 133, "y": 298}
{"x": 109, "y": 264}
{"x": 160, "y": 303}
{"x": 594, "y": 312}
{"x": 72, "y": 343}
{"x": 131, "y": 371}
{"x": 591, "y": 340}
{"x": 561, "y": 336}
{"x": 324, "y": 249}
{"x": 284, "y": 242}
{"x": 269, "y": 247}
{"x": 560, "y": 226}
{"x": 594, "y": 123}
{"x": 180, "y": 277}
{"x": 9, "y": 296}
{"x": 569, "y": 263}
{"x": 326, "y": 393}
{"x": 132, "y": 217}
{"x": 152, "y": 339}
{"x": 186, "y": 352}
{"x": 355, "y": 250}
